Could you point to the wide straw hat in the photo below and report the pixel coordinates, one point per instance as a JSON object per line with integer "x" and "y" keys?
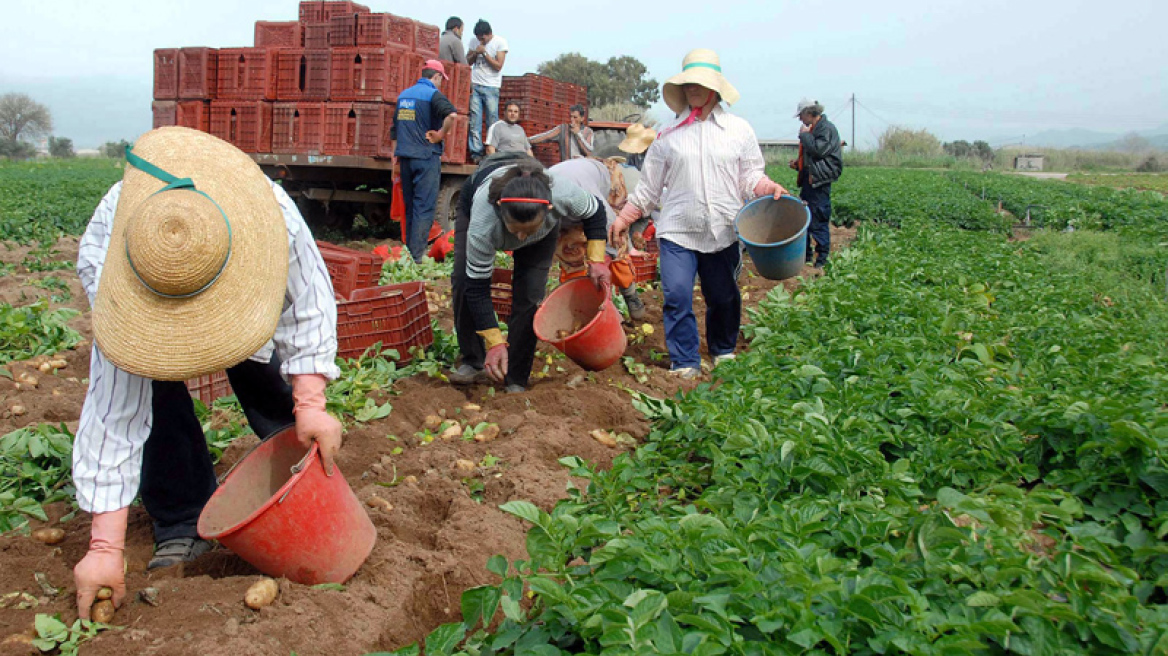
{"x": 702, "y": 67}
{"x": 637, "y": 139}
{"x": 197, "y": 266}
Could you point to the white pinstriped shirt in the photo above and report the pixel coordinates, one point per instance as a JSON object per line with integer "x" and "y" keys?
{"x": 117, "y": 415}
{"x": 700, "y": 176}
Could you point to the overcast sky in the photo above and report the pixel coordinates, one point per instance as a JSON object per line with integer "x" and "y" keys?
{"x": 983, "y": 69}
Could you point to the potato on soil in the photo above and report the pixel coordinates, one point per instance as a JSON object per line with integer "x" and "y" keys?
{"x": 455, "y": 430}
{"x": 18, "y": 410}
{"x": 432, "y": 422}
{"x": 604, "y": 437}
{"x": 45, "y": 368}
{"x": 377, "y": 503}
{"x": 487, "y": 434}
{"x": 262, "y": 593}
{"x": 103, "y": 611}
{"x": 464, "y": 465}
{"x": 58, "y": 363}
{"x": 49, "y": 535}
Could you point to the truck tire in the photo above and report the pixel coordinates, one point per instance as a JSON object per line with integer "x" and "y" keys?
{"x": 448, "y": 195}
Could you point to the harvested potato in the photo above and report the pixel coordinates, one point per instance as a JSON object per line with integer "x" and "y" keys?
{"x": 432, "y": 422}
{"x": 103, "y": 612}
{"x": 58, "y": 363}
{"x": 454, "y": 430}
{"x": 604, "y": 437}
{"x": 49, "y": 535}
{"x": 262, "y": 593}
{"x": 471, "y": 407}
{"x": 410, "y": 480}
{"x": 45, "y": 368}
{"x": 377, "y": 503}
{"x": 487, "y": 434}
{"x": 19, "y": 639}
{"x": 29, "y": 380}
{"x": 464, "y": 465}
{"x": 104, "y": 593}
{"x": 18, "y": 410}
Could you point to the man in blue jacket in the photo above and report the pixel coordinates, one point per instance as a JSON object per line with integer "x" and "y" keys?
{"x": 423, "y": 119}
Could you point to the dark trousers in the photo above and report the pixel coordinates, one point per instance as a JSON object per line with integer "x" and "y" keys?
{"x": 528, "y": 285}
{"x": 818, "y": 200}
{"x": 177, "y": 475}
{"x": 719, "y": 279}
{"x": 420, "y": 179}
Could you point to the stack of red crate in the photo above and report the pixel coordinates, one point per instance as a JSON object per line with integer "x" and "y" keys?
{"x": 325, "y": 84}
{"x": 543, "y": 103}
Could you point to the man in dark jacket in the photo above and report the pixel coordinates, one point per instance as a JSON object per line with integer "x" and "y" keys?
{"x": 819, "y": 164}
{"x": 423, "y": 119}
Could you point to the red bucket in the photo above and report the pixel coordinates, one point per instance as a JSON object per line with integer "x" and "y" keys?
{"x": 580, "y": 320}
{"x": 278, "y": 511}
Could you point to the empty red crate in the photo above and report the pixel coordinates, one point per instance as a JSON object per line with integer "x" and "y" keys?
{"x": 529, "y": 86}
{"x": 547, "y": 153}
{"x": 166, "y": 74}
{"x": 367, "y": 73}
{"x": 316, "y": 36}
{"x": 457, "y": 88}
{"x": 303, "y": 74}
{"x": 246, "y": 124}
{"x": 298, "y": 128}
{"x": 382, "y": 30}
{"x": 210, "y": 387}
{"x": 426, "y": 38}
{"x": 315, "y": 11}
{"x": 384, "y": 146}
{"x": 349, "y": 269}
{"x": 413, "y": 69}
{"x": 501, "y": 293}
{"x": 164, "y": 113}
{"x": 342, "y": 31}
{"x": 570, "y": 94}
{"x": 194, "y": 114}
{"x": 198, "y": 73}
{"x": 285, "y": 34}
{"x": 454, "y": 146}
{"x": 247, "y": 74}
{"x": 644, "y": 267}
{"x": 397, "y": 316}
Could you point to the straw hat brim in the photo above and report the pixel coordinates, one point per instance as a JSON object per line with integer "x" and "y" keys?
{"x": 176, "y": 339}
{"x": 638, "y": 143}
{"x": 707, "y": 77}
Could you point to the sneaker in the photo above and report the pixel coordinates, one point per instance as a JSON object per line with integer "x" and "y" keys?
{"x": 177, "y": 550}
{"x": 686, "y": 373}
{"x": 467, "y": 375}
{"x": 515, "y": 388}
{"x": 636, "y": 307}
{"x": 725, "y": 357}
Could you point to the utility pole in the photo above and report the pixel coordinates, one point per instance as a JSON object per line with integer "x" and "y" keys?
{"x": 853, "y": 122}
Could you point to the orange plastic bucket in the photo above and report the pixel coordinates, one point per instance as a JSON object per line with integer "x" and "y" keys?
{"x": 581, "y": 321}
{"x": 278, "y": 511}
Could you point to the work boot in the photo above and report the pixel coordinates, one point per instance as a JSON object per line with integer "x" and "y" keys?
{"x": 177, "y": 550}
{"x": 515, "y": 388}
{"x": 686, "y": 373}
{"x": 634, "y": 304}
{"x": 466, "y": 375}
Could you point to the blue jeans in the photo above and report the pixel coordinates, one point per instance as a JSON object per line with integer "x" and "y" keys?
{"x": 419, "y": 181}
{"x": 819, "y": 202}
{"x": 718, "y": 273}
{"x": 482, "y": 99}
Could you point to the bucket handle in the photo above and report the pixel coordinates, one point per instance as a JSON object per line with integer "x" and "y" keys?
{"x": 296, "y": 469}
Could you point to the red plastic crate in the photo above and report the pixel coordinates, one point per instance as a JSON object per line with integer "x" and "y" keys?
{"x": 210, "y": 387}
{"x": 457, "y": 89}
{"x": 164, "y": 113}
{"x": 198, "y": 73}
{"x": 285, "y": 34}
{"x": 529, "y": 86}
{"x": 315, "y": 11}
{"x": 570, "y": 94}
{"x": 548, "y": 154}
{"x": 644, "y": 267}
{"x": 298, "y": 128}
{"x": 353, "y": 129}
{"x": 454, "y": 146}
{"x": 381, "y": 30}
{"x": 311, "y": 11}
{"x": 194, "y": 114}
{"x": 398, "y": 316}
{"x": 316, "y": 36}
{"x": 342, "y": 32}
{"x": 426, "y": 38}
{"x": 166, "y": 74}
{"x": 349, "y": 269}
{"x": 247, "y": 74}
{"x": 303, "y": 74}
{"x": 245, "y": 124}
{"x": 388, "y": 112}
{"x": 412, "y": 69}
{"x": 501, "y": 293}
{"x": 535, "y": 111}
{"x": 368, "y": 74}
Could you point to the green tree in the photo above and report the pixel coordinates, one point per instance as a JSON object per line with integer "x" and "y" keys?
{"x": 17, "y": 149}
{"x": 22, "y": 118}
{"x": 982, "y": 151}
{"x": 620, "y": 80}
{"x": 904, "y": 141}
{"x": 115, "y": 149}
{"x": 61, "y": 147}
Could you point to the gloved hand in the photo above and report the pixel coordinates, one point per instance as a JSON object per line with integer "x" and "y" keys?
{"x": 313, "y": 422}
{"x": 104, "y": 565}
{"x": 496, "y": 362}
{"x": 600, "y": 274}
{"x": 620, "y": 227}
{"x": 768, "y": 187}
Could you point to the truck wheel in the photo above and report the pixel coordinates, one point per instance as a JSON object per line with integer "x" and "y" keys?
{"x": 448, "y": 195}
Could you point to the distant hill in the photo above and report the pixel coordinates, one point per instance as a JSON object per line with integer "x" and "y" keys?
{"x": 1094, "y": 140}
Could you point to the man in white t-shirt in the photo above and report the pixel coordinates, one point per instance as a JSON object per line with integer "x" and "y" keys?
{"x": 486, "y": 54}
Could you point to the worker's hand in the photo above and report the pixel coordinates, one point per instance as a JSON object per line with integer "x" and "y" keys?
{"x": 496, "y": 362}
{"x": 768, "y": 187}
{"x": 103, "y": 565}
{"x": 313, "y": 422}
{"x": 804, "y": 128}
{"x": 434, "y": 136}
{"x": 600, "y": 274}
{"x": 620, "y": 227}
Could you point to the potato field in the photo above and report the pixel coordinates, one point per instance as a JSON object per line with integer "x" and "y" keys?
{"x": 951, "y": 441}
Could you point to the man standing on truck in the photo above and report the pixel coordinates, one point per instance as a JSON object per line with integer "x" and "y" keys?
{"x": 450, "y": 47}
{"x": 486, "y": 54}
{"x": 506, "y": 135}
{"x": 423, "y": 119}
{"x": 819, "y": 164}
{"x": 574, "y": 137}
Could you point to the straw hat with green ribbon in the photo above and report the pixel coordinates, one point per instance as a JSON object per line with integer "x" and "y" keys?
{"x": 197, "y": 266}
{"x": 702, "y": 67}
